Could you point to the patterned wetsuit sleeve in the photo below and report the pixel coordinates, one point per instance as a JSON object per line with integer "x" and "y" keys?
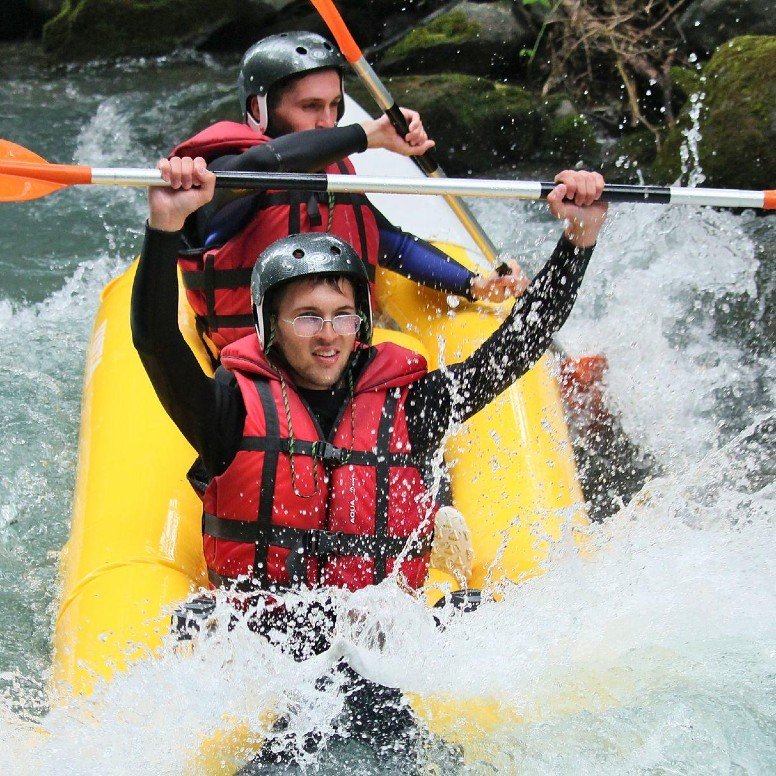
{"x": 456, "y": 393}
{"x": 208, "y": 413}
{"x": 418, "y": 260}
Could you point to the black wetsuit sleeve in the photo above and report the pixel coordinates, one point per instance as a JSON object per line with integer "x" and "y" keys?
{"x": 418, "y": 260}
{"x": 454, "y": 394}
{"x": 208, "y": 413}
{"x": 308, "y": 151}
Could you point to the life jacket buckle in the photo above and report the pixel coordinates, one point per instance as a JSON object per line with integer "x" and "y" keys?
{"x": 329, "y": 453}
{"x": 310, "y": 543}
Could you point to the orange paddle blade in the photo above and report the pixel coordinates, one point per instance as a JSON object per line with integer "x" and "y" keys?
{"x": 24, "y": 175}
{"x": 11, "y": 152}
{"x": 347, "y": 45}
{"x": 18, "y": 188}
{"x": 14, "y": 188}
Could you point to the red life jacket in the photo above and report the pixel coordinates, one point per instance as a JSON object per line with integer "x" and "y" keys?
{"x": 362, "y": 504}
{"x": 217, "y": 279}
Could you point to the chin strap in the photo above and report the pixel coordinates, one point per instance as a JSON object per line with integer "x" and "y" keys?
{"x": 253, "y": 124}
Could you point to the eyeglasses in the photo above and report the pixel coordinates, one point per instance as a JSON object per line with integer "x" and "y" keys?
{"x": 310, "y": 325}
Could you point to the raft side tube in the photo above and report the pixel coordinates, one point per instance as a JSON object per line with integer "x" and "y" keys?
{"x": 135, "y": 546}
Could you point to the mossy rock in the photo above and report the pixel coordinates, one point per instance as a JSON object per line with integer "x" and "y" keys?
{"x": 477, "y": 123}
{"x": 685, "y": 81}
{"x": 452, "y": 29}
{"x": 472, "y": 38}
{"x": 572, "y": 141}
{"x": 707, "y": 24}
{"x": 627, "y": 157}
{"x": 667, "y": 168}
{"x": 106, "y": 29}
{"x": 738, "y": 130}
{"x": 737, "y": 121}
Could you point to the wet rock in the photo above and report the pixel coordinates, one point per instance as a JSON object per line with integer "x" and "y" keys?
{"x": 20, "y": 19}
{"x": 736, "y": 119}
{"x": 626, "y": 158}
{"x": 685, "y": 82}
{"x": 480, "y": 124}
{"x": 571, "y": 140}
{"x": 46, "y": 9}
{"x": 105, "y": 29}
{"x": 477, "y": 123}
{"x": 707, "y": 24}
{"x": 472, "y": 38}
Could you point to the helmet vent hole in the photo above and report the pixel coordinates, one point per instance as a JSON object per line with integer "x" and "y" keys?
{"x": 335, "y": 250}
{"x": 328, "y": 46}
{"x": 301, "y": 50}
{"x": 298, "y": 253}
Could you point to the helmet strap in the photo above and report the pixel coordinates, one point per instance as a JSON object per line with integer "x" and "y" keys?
{"x": 259, "y": 126}
{"x": 270, "y": 334}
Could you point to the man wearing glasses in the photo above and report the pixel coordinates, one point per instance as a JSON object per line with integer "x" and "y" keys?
{"x": 310, "y": 436}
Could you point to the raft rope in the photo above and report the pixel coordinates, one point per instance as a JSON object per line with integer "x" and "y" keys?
{"x": 291, "y": 440}
{"x": 330, "y": 217}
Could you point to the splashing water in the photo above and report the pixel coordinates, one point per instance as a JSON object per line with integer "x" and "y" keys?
{"x": 688, "y": 153}
{"x": 652, "y": 649}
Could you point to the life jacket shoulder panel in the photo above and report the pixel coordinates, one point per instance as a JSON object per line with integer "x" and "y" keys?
{"x": 220, "y": 139}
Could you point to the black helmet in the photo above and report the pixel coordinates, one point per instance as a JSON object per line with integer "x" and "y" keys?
{"x": 278, "y": 57}
{"x": 301, "y": 255}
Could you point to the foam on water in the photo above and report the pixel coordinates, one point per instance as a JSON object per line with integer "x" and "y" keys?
{"x": 644, "y": 308}
{"x": 653, "y": 648}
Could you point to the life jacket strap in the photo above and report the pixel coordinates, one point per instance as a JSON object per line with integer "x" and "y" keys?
{"x": 329, "y": 454}
{"x": 305, "y": 543}
{"x": 239, "y": 277}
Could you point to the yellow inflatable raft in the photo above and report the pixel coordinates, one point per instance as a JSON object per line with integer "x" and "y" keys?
{"x": 135, "y": 545}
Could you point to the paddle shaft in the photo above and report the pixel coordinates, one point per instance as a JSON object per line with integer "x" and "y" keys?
{"x": 64, "y": 175}
{"x": 492, "y": 189}
{"x": 427, "y": 162}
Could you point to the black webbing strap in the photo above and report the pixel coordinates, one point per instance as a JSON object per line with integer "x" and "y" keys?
{"x": 313, "y": 211}
{"x": 274, "y": 198}
{"x": 239, "y": 277}
{"x": 208, "y": 279}
{"x": 296, "y": 199}
{"x": 381, "y": 481}
{"x": 371, "y": 272}
{"x": 305, "y": 542}
{"x": 241, "y": 584}
{"x": 356, "y": 203}
{"x": 217, "y": 322}
{"x": 326, "y": 452}
{"x": 244, "y": 584}
{"x": 268, "y": 475}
